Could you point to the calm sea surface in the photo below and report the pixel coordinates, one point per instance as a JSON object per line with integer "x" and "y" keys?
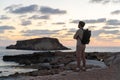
{"x": 99, "y": 49}
{"x": 6, "y": 68}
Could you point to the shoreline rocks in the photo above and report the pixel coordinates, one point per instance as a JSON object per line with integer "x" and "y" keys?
{"x": 65, "y": 61}
{"x": 41, "y": 57}
{"x": 55, "y": 58}
{"x": 45, "y": 43}
{"x": 49, "y": 63}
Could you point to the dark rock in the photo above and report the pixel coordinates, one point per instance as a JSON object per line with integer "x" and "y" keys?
{"x": 55, "y": 59}
{"x": 28, "y": 59}
{"x": 25, "y": 61}
{"x": 38, "y": 44}
{"x": 93, "y": 57}
{"x": 43, "y": 66}
{"x": 11, "y": 47}
{"x": 113, "y": 60}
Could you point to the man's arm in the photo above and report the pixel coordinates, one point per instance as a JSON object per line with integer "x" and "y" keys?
{"x": 76, "y": 35}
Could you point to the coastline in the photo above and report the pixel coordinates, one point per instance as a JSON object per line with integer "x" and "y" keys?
{"x": 62, "y": 71}
{"x": 96, "y": 74}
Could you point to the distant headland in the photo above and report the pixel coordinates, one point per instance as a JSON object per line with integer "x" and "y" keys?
{"x": 45, "y": 43}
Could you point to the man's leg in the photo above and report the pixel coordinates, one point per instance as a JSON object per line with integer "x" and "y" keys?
{"x": 78, "y": 56}
{"x": 83, "y": 57}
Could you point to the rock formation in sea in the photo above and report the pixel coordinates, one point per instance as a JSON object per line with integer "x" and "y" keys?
{"x": 45, "y": 43}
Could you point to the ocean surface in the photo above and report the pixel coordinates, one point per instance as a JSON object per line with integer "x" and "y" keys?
{"x": 6, "y": 68}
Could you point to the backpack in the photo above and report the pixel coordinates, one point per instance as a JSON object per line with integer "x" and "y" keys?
{"x": 86, "y": 36}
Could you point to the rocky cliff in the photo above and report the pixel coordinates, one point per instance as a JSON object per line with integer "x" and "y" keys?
{"x": 45, "y": 43}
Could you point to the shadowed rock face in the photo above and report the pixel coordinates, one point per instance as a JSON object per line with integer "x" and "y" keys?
{"x": 39, "y": 44}
{"x": 54, "y": 58}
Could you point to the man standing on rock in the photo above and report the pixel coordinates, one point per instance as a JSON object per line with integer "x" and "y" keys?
{"x": 80, "y": 48}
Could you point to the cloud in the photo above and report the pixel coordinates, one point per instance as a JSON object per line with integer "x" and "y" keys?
{"x": 104, "y": 1}
{"x": 100, "y": 20}
{"x": 100, "y": 1}
{"x": 22, "y": 16}
{"x": 75, "y": 21}
{"x": 3, "y": 28}
{"x": 96, "y": 33}
{"x": 59, "y": 23}
{"x": 12, "y": 7}
{"x": 110, "y": 27}
{"x": 4, "y": 17}
{"x": 26, "y": 23}
{"x": 39, "y": 32}
{"x": 113, "y": 22}
{"x": 109, "y": 37}
{"x": 22, "y": 10}
{"x": 112, "y": 32}
{"x": 18, "y": 9}
{"x": 115, "y": 12}
{"x": 39, "y": 17}
{"x": 49, "y": 10}
{"x": 118, "y": 36}
{"x": 72, "y": 30}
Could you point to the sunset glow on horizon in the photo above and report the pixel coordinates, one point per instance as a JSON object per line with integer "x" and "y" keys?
{"x": 28, "y": 19}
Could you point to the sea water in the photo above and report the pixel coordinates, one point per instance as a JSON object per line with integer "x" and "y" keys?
{"x": 96, "y": 49}
{"x": 6, "y": 68}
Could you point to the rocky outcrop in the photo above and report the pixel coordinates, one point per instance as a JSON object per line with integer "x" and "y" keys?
{"x": 113, "y": 60}
{"x": 45, "y": 43}
{"x": 42, "y": 57}
{"x": 54, "y": 58}
{"x": 49, "y": 63}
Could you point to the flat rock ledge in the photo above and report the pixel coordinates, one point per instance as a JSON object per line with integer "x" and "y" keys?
{"x": 58, "y": 57}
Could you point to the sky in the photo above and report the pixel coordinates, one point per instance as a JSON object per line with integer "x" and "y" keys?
{"x": 28, "y": 19}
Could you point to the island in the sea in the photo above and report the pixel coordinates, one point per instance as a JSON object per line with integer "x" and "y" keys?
{"x": 45, "y": 43}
